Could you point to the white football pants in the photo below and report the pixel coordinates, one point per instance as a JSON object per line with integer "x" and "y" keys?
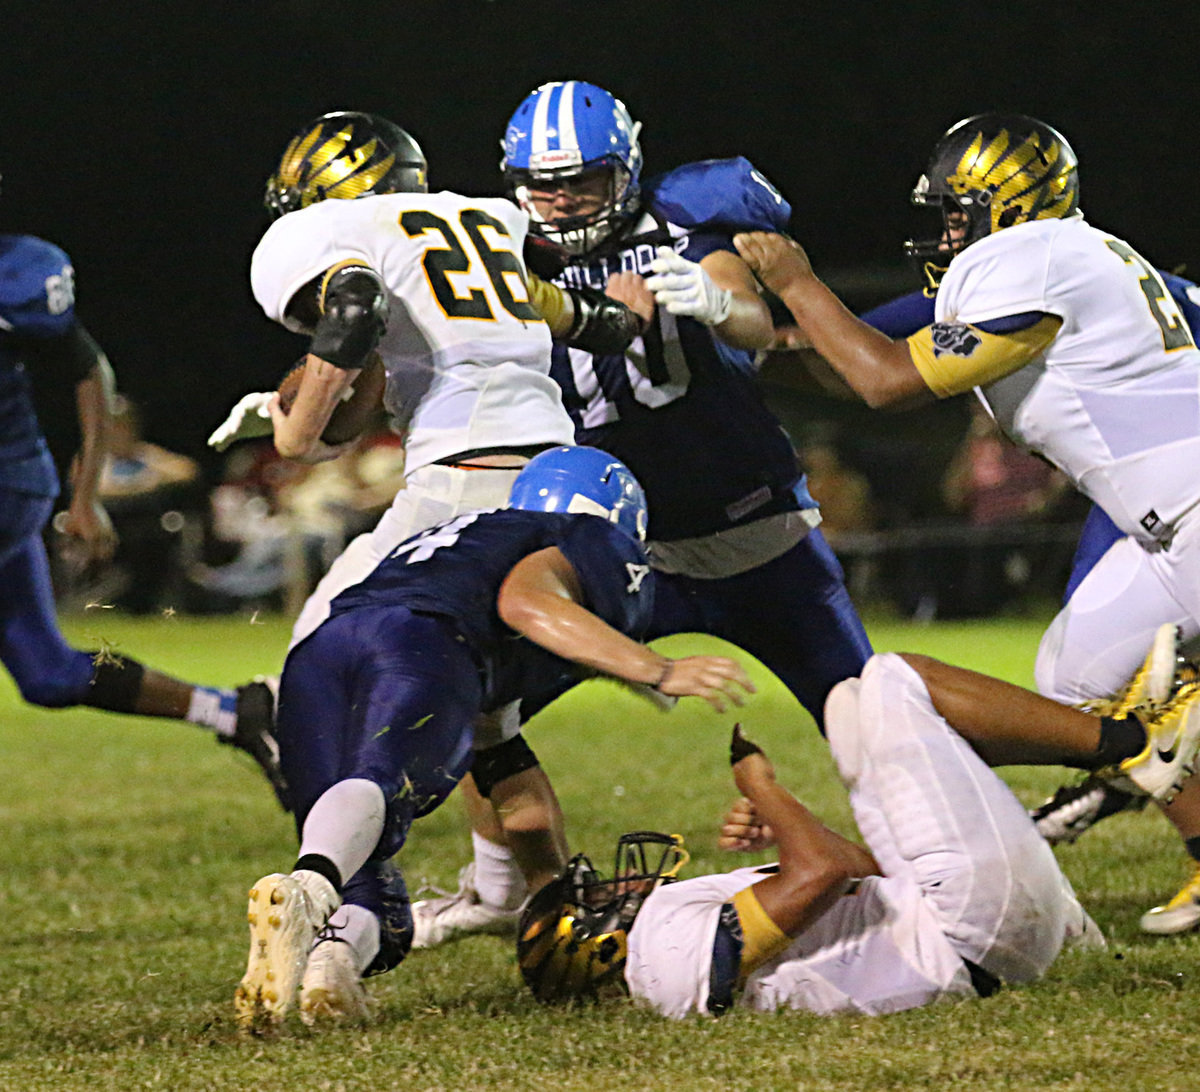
{"x": 930, "y": 809}
{"x": 1100, "y": 638}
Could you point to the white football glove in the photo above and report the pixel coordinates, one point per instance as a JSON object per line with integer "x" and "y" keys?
{"x": 683, "y": 288}
{"x": 247, "y": 420}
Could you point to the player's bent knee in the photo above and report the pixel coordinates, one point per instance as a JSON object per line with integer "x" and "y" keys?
{"x": 505, "y": 760}
{"x": 842, "y": 728}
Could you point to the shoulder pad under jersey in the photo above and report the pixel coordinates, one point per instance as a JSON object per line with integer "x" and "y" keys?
{"x": 718, "y": 195}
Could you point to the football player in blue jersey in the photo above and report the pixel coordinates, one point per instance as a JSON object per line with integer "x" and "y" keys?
{"x": 40, "y": 335}
{"x": 733, "y": 531}
{"x": 377, "y": 707}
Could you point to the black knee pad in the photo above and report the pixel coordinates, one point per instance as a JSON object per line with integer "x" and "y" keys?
{"x": 492, "y": 766}
{"x": 116, "y": 683}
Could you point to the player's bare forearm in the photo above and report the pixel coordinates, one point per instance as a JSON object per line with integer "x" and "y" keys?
{"x": 298, "y": 430}
{"x": 816, "y": 866}
{"x": 880, "y": 370}
{"x": 540, "y": 599}
{"x": 749, "y": 325}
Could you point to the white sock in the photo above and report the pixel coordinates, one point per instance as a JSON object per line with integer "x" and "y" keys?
{"x": 498, "y": 880}
{"x": 345, "y": 824}
{"x": 359, "y": 928}
{"x": 211, "y": 707}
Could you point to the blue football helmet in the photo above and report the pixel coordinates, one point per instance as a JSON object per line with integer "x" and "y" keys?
{"x": 582, "y": 479}
{"x": 560, "y": 131}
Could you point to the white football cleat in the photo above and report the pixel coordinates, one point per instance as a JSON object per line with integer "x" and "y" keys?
{"x": 285, "y": 914}
{"x": 463, "y": 913}
{"x": 1172, "y": 740}
{"x": 1179, "y": 915}
{"x": 332, "y": 990}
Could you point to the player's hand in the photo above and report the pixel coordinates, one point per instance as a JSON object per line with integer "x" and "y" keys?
{"x": 91, "y": 537}
{"x": 742, "y": 831}
{"x": 247, "y": 420}
{"x": 751, "y": 768}
{"x": 716, "y": 679}
{"x": 630, "y": 289}
{"x": 684, "y": 288}
{"x": 777, "y": 261}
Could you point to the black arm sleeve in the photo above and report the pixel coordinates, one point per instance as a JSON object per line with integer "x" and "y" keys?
{"x": 68, "y": 358}
{"x": 353, "y": 320}
{"x": 602, "y": 325}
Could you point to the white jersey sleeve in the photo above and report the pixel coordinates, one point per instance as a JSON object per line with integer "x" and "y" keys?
{"x": 1114, "y": 400}
{"x": 877, "y": 951}
{"x": 466, "y": 353}
{"x": 671, "y": 943}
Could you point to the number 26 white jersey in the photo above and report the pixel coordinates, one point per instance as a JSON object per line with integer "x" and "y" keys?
{"x": 1114, "y": 400}
{"x": 467, "y": 355}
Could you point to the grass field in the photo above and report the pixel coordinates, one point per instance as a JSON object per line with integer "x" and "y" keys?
{"x": 126, "y": 847}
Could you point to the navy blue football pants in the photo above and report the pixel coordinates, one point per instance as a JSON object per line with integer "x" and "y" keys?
{"x": 793, "y": 614}
{"x": 387, "y": 695}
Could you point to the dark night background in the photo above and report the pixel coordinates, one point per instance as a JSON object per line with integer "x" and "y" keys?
{"x": 138, "y": 136}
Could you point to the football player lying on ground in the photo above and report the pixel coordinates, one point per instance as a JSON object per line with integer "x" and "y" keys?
{"x": 377, "y": 707}
{"x": 955, "y": 893}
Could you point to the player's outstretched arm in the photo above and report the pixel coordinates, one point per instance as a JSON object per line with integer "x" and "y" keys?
{"x": 541, "y": 599}
{"x": 880, "y": 369}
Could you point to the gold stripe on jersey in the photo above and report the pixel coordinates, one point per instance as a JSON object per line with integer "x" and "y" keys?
{"x": 551, "y": 303}
{"x": 337, "y": 267}
{"x": 762, "y": 939}
{"x": 953, "y": 357}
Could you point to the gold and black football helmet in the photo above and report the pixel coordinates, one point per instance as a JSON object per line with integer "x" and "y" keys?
{"x": 990, "y": 172}
{"x": 345, "y": 154}
{"x": 572, "y": 940}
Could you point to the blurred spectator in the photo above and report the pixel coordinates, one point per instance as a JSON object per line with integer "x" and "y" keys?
{"x": 276, "y": 525}
{"x": 996, "y": 485}
{"x": 843, "y": 493}
{"x": 151, "y": 494}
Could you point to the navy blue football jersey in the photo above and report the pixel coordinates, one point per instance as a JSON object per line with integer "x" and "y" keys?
{"x": 682, "y": 409}
{"x": 455, "y": 570}
{"x": 37, "y": 301}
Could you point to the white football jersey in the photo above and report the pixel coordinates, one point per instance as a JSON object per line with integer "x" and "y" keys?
{"x": 879, "y": 950}
{"x": 467, "y": 356}
{"x": 1114, "y": 401}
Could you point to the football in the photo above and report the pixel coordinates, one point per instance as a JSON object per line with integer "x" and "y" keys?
{"x": 360, "y": 409}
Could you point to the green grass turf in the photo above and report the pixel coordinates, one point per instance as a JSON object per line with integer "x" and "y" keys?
{"x": 127, "y": 846}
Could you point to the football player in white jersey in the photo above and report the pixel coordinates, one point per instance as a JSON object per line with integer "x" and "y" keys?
{"x": 1077, "y": 349}
{"x": 934, "y": 905}
{"x": 369, "y": 264}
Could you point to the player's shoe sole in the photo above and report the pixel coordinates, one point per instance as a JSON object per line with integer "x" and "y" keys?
{"x": 1076, "y": 808}
{"x": 284, "y": 917}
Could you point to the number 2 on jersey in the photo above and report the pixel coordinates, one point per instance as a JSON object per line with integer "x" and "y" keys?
{"x": 454, "y": 257}
{"x": 1175, "y": 332}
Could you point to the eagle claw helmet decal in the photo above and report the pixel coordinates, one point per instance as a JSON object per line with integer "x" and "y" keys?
{"x": 990, "y": 172}
{"x": 345, "y": 155}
